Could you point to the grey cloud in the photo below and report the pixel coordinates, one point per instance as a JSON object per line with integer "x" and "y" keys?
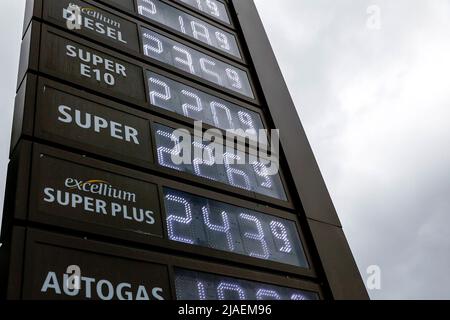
{"x": 375, "y": 107}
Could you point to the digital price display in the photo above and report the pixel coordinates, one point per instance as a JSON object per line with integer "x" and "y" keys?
{"x": 204, "y": 222}
{"x": 192, "y": 285}
{"x": 173, "y": 53}
{"x": 195, "y": 104}
{"x": 189, "y": 25}
{"x": 253, "y": 176}
{"x": 212, "y": 8}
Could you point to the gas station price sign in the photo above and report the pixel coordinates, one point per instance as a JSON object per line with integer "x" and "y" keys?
{"x": 189, "y": 25}
{"x": 196, "y": 63}
{"x": 203, "y": 222}
{"x": 104, "y": 87}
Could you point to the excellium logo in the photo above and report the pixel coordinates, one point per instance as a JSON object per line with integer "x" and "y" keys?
{"x": 100, "y": 187}
{"x": 78, "y": 17}
{"x": 98, "y": 197}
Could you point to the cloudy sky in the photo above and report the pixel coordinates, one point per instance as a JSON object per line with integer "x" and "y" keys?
{"x": 371, "y": 82}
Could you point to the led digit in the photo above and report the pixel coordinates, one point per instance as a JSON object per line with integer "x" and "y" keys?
{"x": 223, "y": 40}
{"x": 256, "y": 236}
{"x": 144, "y": 10}
{"x": 223, "y": 287}
{"x": 279, "y": 231}
{"x": 213, "y": 7}
{"x": 202, "y": 161}
{"x": 203, "y": 64}
{"x": 200, "y": 30}
{"x": 233, "y": 173}
{"x": 155, "y": 94}
{"x": 199, "y": 5}
{"x": 246, "y": 119}
{"x": 234, "y": 77}
{"x": 182, "y": 27}
{"x": 201, "y": 291}
{"x": 263, "y": 294}
{"x": 198, "y": 107}
{"x": 158, "y": 49}
{"x": 187, "y": 61}
{"x": 214, "y": 106}
{"x": 173, "y": 218}
{"x": 225, "y": 228}
{"x": 297, "y": 296}
{"x": 262, "y": 171}
{"x": 163, "y": 150}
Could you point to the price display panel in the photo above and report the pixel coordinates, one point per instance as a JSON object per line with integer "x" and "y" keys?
{"x": 51, "y": 260}
{"x": 232, "y": 170}
{"x": 195, "y": 62}
{"x": 192, "y": 27}
{"x": 185, "y": 100}
{"x": 192, "y": 285}
{"x": 199, "y": 221}
{"x": 212, "y": 8}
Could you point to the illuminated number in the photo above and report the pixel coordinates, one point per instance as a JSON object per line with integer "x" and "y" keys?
{"x": 162, "y": 151}
{"x": 201, "y": 291}
{"x": 232, "y": 173}
{"x": 271, "y": 294}
{"x": 186, "y": 106}
{"x": 199, "y": 5}
{"x": 188, "y": 62}
{"x": 225, "y": 228}
{"x": 203, "y": 63}
{"x": 203, "y": 32}
{"x": 155, "y": 94}
{"x": 223, "y": 40}
{"x": 246, "y": 119}
{"x": 214, "y": 107}
{"x": 202, "y": 161}
{"x": 172, "y": 219}
{"x": 183, "y": 29}
{"x": 279, "y": 231}
{"x": 213, "y": 7}
{"x": 258, "y": 236}
{"x": 262, "y": 171}
{"x": 223, "y": 287}
{"x": 234, "y": 77}
{"x": 144, "y": 10}
{"x": 297, "y": 296}
{"x": 158, "y": 49}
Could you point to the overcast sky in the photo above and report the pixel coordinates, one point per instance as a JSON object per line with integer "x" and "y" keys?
{"x": 373, "y": 95}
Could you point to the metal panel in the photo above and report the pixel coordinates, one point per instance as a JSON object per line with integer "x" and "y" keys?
{"x": 72, "y": 192}
{"x": 337, "y": 260}
{"x": 47, "y": 256}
